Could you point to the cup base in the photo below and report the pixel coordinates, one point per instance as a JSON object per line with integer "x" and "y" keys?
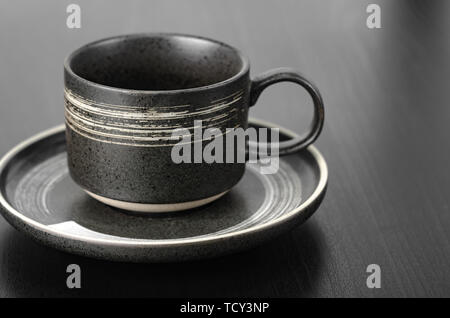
{"x": 154, "y": 208}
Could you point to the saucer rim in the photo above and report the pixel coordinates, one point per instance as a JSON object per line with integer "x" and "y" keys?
{"x": 8, "y": 209}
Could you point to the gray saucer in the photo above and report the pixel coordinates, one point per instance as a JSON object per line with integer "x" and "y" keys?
{"x": 39, "y": 198}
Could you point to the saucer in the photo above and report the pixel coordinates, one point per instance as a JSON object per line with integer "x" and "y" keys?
{"x": 39, "y": 198}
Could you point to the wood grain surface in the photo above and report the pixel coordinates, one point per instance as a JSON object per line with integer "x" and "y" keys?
{"x": 386, "y": 141}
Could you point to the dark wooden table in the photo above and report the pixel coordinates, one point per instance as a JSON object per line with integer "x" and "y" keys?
{"x": 386, "y": 141}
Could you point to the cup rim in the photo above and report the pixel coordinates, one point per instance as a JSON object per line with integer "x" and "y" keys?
{"x": 244, "y": 68}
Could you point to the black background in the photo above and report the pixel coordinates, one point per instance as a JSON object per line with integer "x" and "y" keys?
{"x": 386, "y": 141}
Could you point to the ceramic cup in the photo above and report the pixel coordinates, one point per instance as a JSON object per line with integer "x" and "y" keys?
{"x": 125, "y": 95}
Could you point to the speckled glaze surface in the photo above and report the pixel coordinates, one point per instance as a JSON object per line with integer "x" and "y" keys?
{"x": 39, "y": 198}
{"x": 124, "y": 96}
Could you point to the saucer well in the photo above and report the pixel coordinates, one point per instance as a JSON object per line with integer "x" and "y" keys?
{"x": 38, "y": 197}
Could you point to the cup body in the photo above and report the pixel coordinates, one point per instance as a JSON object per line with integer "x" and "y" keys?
{"x": 124, "y": 97}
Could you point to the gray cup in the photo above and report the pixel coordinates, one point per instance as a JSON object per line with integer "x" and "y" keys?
{"x": 125, "y": 96}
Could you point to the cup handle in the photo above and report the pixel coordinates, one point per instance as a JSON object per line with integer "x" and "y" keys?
{"x": 259, "y": 83}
